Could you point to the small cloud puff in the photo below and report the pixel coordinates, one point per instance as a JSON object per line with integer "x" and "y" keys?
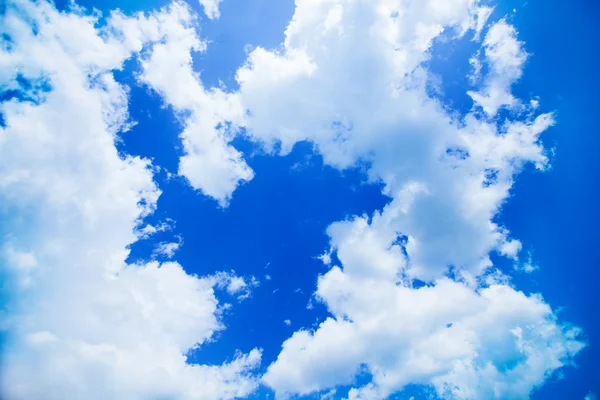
{"x": 168, "y": 249}
{"x": 236, "y": 285}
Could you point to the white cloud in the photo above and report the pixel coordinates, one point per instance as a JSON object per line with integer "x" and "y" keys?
{"x": 360, "y": 96}
{"x": 210, "y": 116}
{"x": 87, "y": 325}
{"x": 480, "y": 18}
{"x": 489, "y": 342}
{"x": 329, "y": 394}
{"x": 505, "y": 56}
{"x": 236, "y": 285}
{"x": 528, "y": 266}
{"x": 351, "y": 78}
{"x": 211, "y": 8}
{"x": 482, "y": 341}
{"x": 148, "y": 230}
{"x": 287, "y": 322}
{"x": 168, "y": 249}
{"x": 475, "y": 76}
{"x": 325, "y": 257}
{"x": 511, "y": 248}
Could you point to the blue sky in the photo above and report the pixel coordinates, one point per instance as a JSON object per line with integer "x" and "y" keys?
{"x": 330, "y": 200}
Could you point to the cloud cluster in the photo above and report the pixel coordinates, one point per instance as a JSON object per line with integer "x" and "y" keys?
{"x": 210, "y": 117}
{"x": 350, "y": 77}
{"x": 505, "y": 58}
{"x": 490, "y": 341}
{"x": 82, "y": 323}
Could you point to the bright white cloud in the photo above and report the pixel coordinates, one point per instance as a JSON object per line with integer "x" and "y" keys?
{"x": 358, "y": 92}
{"x": 148, "y": 230}
{"x": 351, "y": 78}
{"x": 325, "y": 257}
{"x": 211, "y": 8}
{"x": 210, "y": 116}
{"x": 485, "y": 342}
{"x": 167, "y": 249}
{"x": 505, "y": 57}
{"x": 86, "y": 324}
{"x": 511, "y": 248}
{"x": 528, "y": 265}
{"x": 480, "y": 17}
{"x": 236, "y": 285}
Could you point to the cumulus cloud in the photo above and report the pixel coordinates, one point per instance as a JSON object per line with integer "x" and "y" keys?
{"x": 505, "y": 56}
{"x": 86, "y": 324}
{"x": 210, "y": 117}
{"x": 487, "y": 342}
{"x": 235, "y": 285}
{"x": 479, "y": 19}
{"x": 351, "y": 77}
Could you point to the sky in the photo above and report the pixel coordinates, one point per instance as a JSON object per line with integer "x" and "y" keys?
{"x": 319, "y": 199}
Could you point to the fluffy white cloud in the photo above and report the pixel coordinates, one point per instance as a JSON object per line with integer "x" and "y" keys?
{"x": 235, "y": 285}
{"x": 351, "y": 78}
{"x": 210, "y": 116}
{"x": 85, "y": 324}
{"x": 211, "y": 8}
{"x": 505, "y": 57}
{"x": 487, "y": 341}
{"x": 167, "y": 249}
